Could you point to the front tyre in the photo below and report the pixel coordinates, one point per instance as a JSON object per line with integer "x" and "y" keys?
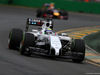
{"x": 28, "y": 41}
{"x": 79, "y": 49}
{"x": 15, "y": 37}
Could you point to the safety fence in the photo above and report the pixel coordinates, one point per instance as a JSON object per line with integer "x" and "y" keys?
{"x": 77, "y": 6}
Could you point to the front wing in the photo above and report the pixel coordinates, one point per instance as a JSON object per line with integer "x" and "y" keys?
{"x": 42, "y": 52}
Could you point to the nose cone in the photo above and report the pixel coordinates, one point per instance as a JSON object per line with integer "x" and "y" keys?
{"x": 57, "y": 51}
{"x": 55, "y": 44}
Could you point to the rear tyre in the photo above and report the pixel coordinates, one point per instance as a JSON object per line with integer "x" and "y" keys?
{"x": 64, "y": 14}
{"x": 39, "y": 13}
{"x": 15, "y": 37}
{"x": 28, "y": 41}
{"x": 79, "y": 47}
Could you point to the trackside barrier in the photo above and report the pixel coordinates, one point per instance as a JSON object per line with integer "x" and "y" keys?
{"x": 4, "y": 1}
{"x": 87, "y": 7}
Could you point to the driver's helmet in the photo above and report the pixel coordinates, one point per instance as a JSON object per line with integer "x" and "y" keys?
{"x": 48, "y": 31}
{"x": 51, "y": 5}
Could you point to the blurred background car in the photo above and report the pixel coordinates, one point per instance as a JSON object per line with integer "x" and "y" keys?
{"x": 49, "y": 11}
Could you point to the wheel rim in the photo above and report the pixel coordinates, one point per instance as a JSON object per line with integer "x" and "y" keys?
{"x": 8, "y": 42}
{"x": 9, "y": 39}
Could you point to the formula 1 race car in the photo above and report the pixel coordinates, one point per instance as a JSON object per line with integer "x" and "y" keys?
{"x": 54, "y": 13}
{"x": 45, "y": 42}
{"x": 51, "y": 12}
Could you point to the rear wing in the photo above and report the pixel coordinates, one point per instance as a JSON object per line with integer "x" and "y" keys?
{"x": 33, "y": 22}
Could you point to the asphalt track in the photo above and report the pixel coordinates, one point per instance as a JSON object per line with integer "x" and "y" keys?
{"x": 12, "y": 63}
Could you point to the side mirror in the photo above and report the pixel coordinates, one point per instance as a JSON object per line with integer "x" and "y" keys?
{"x": 64, "y": 34}
{"x": 35, "y": 31}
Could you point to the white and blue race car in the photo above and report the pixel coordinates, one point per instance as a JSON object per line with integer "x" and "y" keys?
{"x": 44, "y": 41}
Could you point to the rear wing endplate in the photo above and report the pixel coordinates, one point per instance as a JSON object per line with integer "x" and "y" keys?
{"x": 33, "y": 22}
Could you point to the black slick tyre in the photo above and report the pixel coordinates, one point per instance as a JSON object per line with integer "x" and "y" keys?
{"x": 28, "y": 41}
{"x": 15, "y": 37}
{"x": 65, "y": 14}
{"x": 79, "y": 47}
{"x": 39, "y": 13}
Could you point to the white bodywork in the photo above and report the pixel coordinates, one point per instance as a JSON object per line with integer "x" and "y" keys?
{"x": 65, "y": 38}
{"x": 55, "y": 40}
{"x": 55, "y": 44}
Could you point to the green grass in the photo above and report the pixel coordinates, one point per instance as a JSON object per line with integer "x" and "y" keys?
{"x": 93, "y": 41}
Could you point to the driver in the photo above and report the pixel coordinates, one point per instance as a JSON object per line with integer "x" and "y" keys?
{"x": 48, "y": 31}
{"x": 51, "y": 5}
